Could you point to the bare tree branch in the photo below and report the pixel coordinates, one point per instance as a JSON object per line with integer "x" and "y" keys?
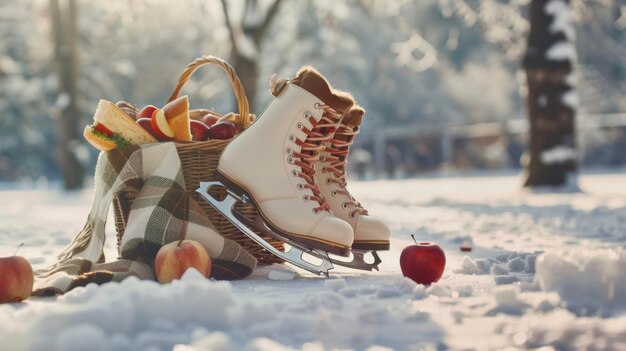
{"x": 364, "y": 8}
{"x": 269, "y": 17}
{"x": 231, "y": 30}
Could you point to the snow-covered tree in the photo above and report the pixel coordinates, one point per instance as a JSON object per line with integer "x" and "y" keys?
{"x": 552, "y": 101}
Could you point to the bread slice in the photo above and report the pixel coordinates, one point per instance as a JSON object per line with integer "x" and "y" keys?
{"x": 98, "y": 141}
{"x": 119, "y": 122}
{"x": 177, "y": 115}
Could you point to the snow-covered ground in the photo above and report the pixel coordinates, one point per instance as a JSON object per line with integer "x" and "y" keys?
{"x": 545, "y": 270}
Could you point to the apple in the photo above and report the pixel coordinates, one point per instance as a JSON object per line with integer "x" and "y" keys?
{"x": 199, "y": 130}
{"x": 423, "y": 262}
{"x": 222, "y": 130}
{"x": 147, "y": 112}
{"x": 146, "y": 123}
{"x": 210, "y": 119}
{"x": 466, "y": 246}
{"x": 160, "y": 125}
{"x": 16, "y": 279}
{"x": 175, "y": 258}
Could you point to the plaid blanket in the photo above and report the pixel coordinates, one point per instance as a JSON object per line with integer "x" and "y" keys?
{"x": 161, "y": 213}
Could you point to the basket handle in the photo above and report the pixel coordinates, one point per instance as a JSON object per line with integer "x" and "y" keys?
{"x": 240, "y": 94}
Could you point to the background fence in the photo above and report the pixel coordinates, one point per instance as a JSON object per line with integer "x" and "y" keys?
{"x": 414, "y": 149}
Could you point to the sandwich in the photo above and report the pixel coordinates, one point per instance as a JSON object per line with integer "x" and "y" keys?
{"x": 112, "y": 128}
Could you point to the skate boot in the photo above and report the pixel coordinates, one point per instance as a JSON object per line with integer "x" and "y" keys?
{"x": 272, "y": 165}
{"x": 370, "y": 233}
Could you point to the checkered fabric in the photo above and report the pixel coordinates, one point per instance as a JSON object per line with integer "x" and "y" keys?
{"x": 161, "y": 213}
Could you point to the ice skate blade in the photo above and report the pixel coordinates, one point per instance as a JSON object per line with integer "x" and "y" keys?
{"x": 358, "y": 261}
{"x": 303, "y": 241}
{"x": 296, "y": 253}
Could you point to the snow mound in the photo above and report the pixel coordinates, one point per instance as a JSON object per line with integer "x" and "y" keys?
{"x": 506, "y": 301}
{"x": 537, "y": 331}
{"x": 586, "y": 280}
{"x": 91, "y": 313}
{"x": 195, "y": 313}
{"x": 281, "y": 274}
{"x": 505, "y": 269}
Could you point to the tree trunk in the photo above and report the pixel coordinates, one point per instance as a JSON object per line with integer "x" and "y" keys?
{"x": 248, "y": 72}
{"x": 549, "y": 60}
{"x": 66, "y": 59}
{"x": 246, "y": 40}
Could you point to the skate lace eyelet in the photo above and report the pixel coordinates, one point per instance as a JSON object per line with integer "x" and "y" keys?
{"x": 300, "y": 186}
{"x": 334, "y": 193}
{"x": 294, "y": 173}
{"x": 307, "y": 114}
{"x": 352, "y": 215}
{"x": 290, "y": 159}
{"x": 322, "y": 158}
{"x": 299, "y": 125}
{"x": 305, "y": 198}
{"x": 327, "y": 181}
{"x": 344, "y": 205}
{"x": 289, "y": 151}
{"x": 316, "y": 211}
{"x": 292, "y": 137}
{"x": 317, "y": 105}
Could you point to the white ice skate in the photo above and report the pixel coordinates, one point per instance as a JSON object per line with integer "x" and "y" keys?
{"x": 272, "y": 165}
{"x": 370, "y": 233}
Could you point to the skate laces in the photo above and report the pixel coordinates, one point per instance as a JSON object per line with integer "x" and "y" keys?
{"x": 335, "y": 163}
{"x": 310, "y": 148}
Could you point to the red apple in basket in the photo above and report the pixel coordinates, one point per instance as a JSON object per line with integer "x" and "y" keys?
{"x": 210, "y": 119}
{"x": 423, "y": 262}
{"x": 175, "y": 258}
{"x": 160, "y": 125}
{"x": 146, "y": 112}
{"x": 199, "y": 130}
{"x": 16, "y": 279}
{"x": 223, "y": 130}
{"x": 146, "y": 123}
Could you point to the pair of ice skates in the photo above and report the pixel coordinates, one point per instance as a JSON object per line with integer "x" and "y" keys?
{"x": 291, "y": 165}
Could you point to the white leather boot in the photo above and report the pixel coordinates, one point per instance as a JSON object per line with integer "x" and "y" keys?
{"x": 370, "y": 233}
{"x": 273, "y": 162}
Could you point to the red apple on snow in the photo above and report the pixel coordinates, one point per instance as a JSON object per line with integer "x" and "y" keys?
{"x": 222, "y": 130}
{"x": 175, "y": 258}
{"x": 199, "y": 130}
{"x": 466, "y": 246}
{"x": 423, "y": 262}
{"x": 147, "y": 112}
{"x": 160, "y": 125}
{"x": 16, "y": 279}
{"x": 210, "y": 119}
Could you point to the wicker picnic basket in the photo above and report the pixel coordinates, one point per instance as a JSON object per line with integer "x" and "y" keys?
{"x": 199, "y": 159}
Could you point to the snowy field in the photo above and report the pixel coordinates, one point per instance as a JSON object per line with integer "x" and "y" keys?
{"x": 546, "y": 270}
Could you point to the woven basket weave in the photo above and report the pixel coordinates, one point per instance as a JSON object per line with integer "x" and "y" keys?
{"x": 199, "y": 161}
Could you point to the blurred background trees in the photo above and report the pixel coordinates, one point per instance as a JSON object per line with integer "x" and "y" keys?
{"x": 441, "y": 80}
